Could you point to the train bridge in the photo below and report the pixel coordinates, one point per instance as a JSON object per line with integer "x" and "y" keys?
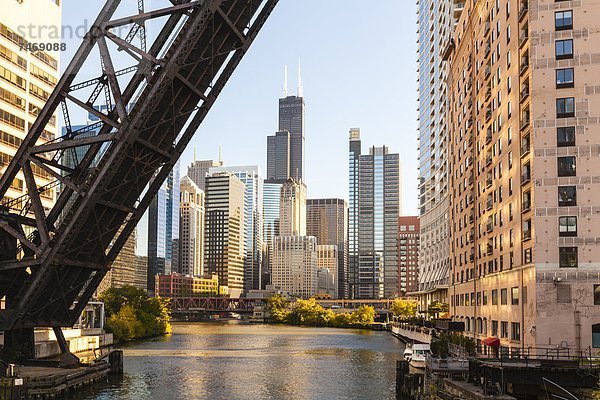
{"x": 157, "y": 91}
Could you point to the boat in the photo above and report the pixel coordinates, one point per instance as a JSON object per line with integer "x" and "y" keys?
{"x": 407, "y": 352}
{"x": 419, "y": 355}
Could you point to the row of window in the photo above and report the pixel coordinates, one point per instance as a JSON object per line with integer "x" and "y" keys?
{"x": 481, "y": 298}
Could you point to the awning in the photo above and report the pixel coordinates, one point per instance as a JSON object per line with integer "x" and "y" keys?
{"x": 491, "y": 342}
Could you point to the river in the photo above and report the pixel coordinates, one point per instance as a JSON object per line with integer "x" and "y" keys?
{"x": 240, "y": 361}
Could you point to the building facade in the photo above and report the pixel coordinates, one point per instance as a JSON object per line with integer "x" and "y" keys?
{"x": 435, "y": 22}
{"x": 176, "y": 285}
{"x": 271, "y": 207}
{"x": 291, "y": 119}
{"x": 26, "y": 80}
{"x": 327, "y": 220}
{"x": 163, "y": 229}
{"x": 408, "y": 254}
{"x": 253, "y": 204}
{"x": 327, "y": 270}
{"x": 224, "y": 230}
{"x": 295, "y": 265}
{"x": 378, "y": 211}
{"x": 198, "y": 170}
{"x": 355, "y": 148}
{"x": 523, "y": 109}
{"x": 191, "y": 228}
{"x": 278, "y": 156}
{"x": 292, "y": 209}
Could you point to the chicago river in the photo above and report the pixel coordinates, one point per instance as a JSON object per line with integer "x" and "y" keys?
{"x": 240, "y": 361}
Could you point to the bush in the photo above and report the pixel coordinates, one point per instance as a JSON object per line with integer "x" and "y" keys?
{"x": 131, "y": 314}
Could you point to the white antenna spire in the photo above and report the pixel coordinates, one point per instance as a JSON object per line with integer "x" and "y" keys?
{"x": 299, "y": 80}
{"x": 285, "y": 82}
{"x": 195, "y": 153}
{"x": 221, "y": 155}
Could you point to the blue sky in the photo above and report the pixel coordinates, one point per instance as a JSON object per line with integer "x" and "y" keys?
{"x": 358, "y": 63}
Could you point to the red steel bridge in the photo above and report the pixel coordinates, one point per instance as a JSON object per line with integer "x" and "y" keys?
{"x": 159, "y": 72}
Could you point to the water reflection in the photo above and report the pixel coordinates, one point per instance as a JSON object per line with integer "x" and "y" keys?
{"x": 236, "y": 361}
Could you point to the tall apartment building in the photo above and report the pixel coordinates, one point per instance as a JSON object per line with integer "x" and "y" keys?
{"x": 295, "y": 265}
{"x": 523, "y": 108}
{"x": 327, "y": 270}
{"x": 191, "y": 227}
{"x": 198, "y": 170}
{"x": 250, "y": 176}
{"x": 270, "y": 212}
{"x": 163, "y": 229}
{"x": 26, "y": 80}
{"x": 436, "y": 19}
{"x": 224, "y": 231}
{"x": 327, "y": 220}
{"x": 408, "y": 254}
{"x": 292, "y": 209}
{"x": 354, "y": 152}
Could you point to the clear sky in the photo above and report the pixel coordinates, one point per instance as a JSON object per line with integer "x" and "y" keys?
{"x": 358, "y": 61}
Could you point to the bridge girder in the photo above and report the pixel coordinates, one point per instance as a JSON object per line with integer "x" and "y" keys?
{"x": 152, "y": 110}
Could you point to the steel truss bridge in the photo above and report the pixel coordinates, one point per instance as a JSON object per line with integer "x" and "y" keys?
{"x": 224, "y": 304}
{"x": 157, "y": 85}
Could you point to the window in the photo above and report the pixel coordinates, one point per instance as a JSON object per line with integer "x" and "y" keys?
{"x": 504, "y": 296}
{"x": 564, "y": 49}
{"x": 597, "y": 295}
{"x": 567, "y": 226}
{"x": 485, "y": 298}
{"x": 596, "y": 335}
{"x": 527, "y": 256}
{"x": 563, "y": 20}
{"x": 565, "y": 136}
{"x": 527, "y": 229}
{"x": 566, "y": 166}
{"x": 515, "y": 330}
{"x": 495, "y": 297}
{"x": 565, "y": 108}
{"x": 564, "y": 78}
{"x": 494, "y": 328}
{"x": 504, "y": 329}
{"x": 514, "y": 296}
{"x": 567, "y": 196}
{"x": 526, "y": 204}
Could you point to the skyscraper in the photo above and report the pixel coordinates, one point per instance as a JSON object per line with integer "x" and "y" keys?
{"x": 327, "y": 220}
{"x": 271, "y": 207}
{"x": 28, "y": 78}
{"x": 253, "y": 204}
{"x": 435, "y": 24}
{"x": 278, "y": 157}
{"x": 285, "y": 152}
{"x": 292, "y": 212}
{"x": 375, "y": 205}
{"x": 327, "y": 267}
{"x": 523, "y": 113}
{"x": 191, "y": 228}
{"x": 353, "y": 161}
{"x": 125, "y": 270}
{"x": 163, "y": 229}
{"x": 198, "y": 170}
{"x": 224, "y": 231}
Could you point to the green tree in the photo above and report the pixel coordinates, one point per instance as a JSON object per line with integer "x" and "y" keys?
{"x": 131, "y": 314}
{"x": 404, "y": 308}
{"x": 309, "y": 312}
{"x": 278, "y": 307}
{"x": 436, "y": 308}
{"x": 363, "y": 316}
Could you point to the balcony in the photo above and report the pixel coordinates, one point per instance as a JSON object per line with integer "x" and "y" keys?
{"x": 525, "y": 120}
{"x": 525, "y": 146}
{"x": 523, "y": 10}
{"x": 488, "y": 92}
{"x": 488, "y": 114}
{"x": 488, "y": 160}
{"x": 488, "y": 71}
{"x": 526, "y": 206}
{"x": 489, "y": 227}
{"x": 488, "y": 136}
{"x": 524, "y": 92}
{"x": 526, "y": 177}
{"x": 489, "y": 205}
{"x": 523, "y": 37}
{"x": 487, "y": 27}
{"x": 524, "y": 64}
